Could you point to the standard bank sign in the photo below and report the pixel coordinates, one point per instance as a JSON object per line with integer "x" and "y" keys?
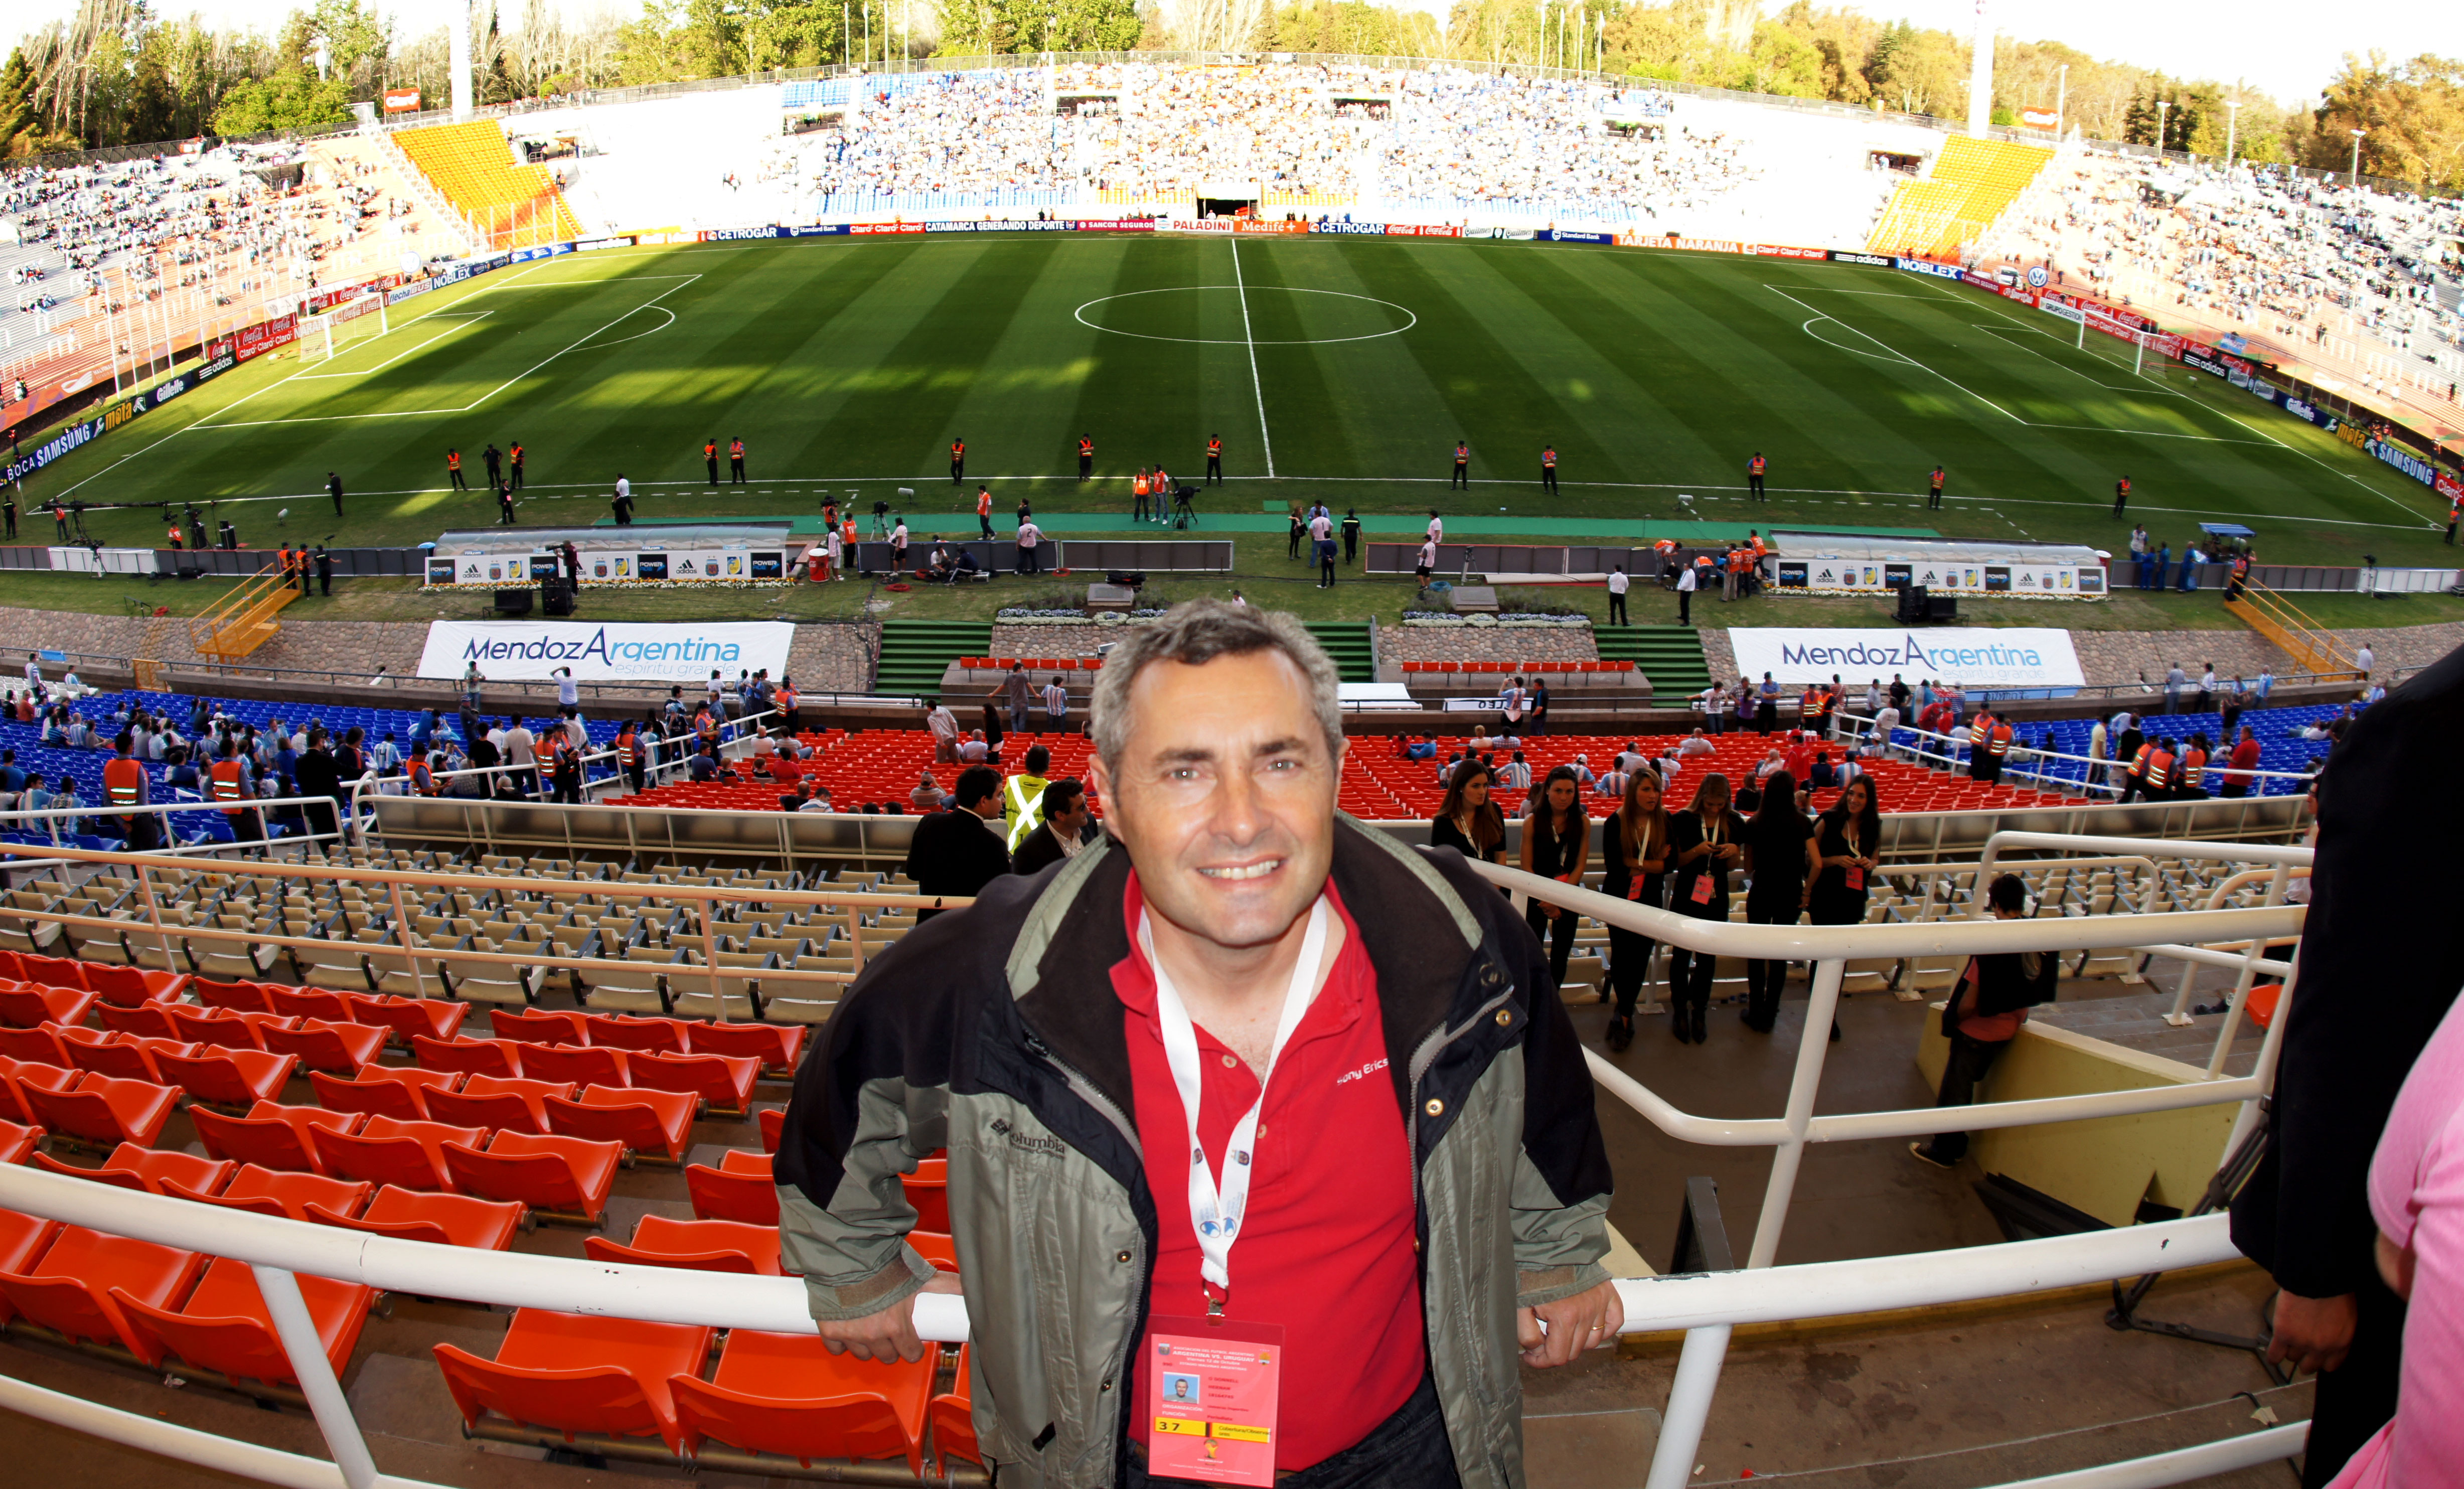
{"x": 514, "y": 650}
{"x": 1990, "y": 656}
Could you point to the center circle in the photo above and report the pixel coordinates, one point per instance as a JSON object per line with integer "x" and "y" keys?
{"x": 1359, "y": 312}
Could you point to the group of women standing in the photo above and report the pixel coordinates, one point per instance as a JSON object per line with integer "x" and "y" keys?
{"x": 1678, "y": 860}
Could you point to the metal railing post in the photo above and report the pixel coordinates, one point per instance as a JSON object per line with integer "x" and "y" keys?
{"x": 1690, "y": 1405}
{"x": 298, "y": 1331}
{"x": 2242, "y": 984}
{"x": 1812, "y": 1046}
{"x": 154, "y": 912}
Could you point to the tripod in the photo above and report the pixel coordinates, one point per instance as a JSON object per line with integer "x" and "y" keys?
{"x": 1184, "y": 515}
{"x": 2227, "y": 1182}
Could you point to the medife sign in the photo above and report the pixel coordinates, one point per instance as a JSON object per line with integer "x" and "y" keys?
{"x": 520, "y": 650}
{"x": 1992, "y": 657}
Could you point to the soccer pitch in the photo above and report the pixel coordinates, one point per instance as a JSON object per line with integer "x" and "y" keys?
{"x": 1335, "y": 367}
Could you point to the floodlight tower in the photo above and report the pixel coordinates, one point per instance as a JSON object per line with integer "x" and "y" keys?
{"x": 1980, "y": 75}
{"x": 457, "y": 38}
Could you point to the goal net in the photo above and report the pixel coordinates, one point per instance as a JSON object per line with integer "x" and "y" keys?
{"x": 346, "y": 325}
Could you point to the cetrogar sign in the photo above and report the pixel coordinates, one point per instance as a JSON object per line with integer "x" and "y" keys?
{"x": 514, "y": 651}
{"x": 1996, "y": 657}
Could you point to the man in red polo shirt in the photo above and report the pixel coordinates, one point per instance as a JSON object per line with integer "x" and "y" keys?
{"x": 1243, "y": 1107}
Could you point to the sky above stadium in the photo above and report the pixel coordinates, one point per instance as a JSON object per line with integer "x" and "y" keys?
{"x": 2276, "y": 46}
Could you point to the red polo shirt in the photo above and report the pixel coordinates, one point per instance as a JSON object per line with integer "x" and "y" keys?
{"x": 1327, "y": 1250}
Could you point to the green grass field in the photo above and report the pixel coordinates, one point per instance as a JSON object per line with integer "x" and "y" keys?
{"x": 1335, "y": 367}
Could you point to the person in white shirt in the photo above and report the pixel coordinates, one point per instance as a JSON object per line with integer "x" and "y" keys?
{"x": 1028, "y": 536}
{"x": 1515, "y": 773}
{"x": 831, "y": 555}
{"x": 569, "y": 692}
{"x": 1437, "y": 528}
{"x": 521, "y": 752}
{"x": 2365, "y": 658}
{"x": 624, "y": 490}
{"x": 1885, "y": 720}
{"x": 34, "y": 674}
{"x": 1056, "y": 703}
{"x": 943, "y": 725}
{"x": 1617, "y": 595}
{"x": 1874, "y": 697}
{"x": 1582, "y": 769}
{"x": 1685, "y": 586}
{"x": 1694, "y": 744}
{"x": 1613, "y": 785}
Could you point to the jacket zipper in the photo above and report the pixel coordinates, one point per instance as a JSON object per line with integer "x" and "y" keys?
{"x": 1094, "y": 1096}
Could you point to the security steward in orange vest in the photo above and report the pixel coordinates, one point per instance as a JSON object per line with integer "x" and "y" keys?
{"x": 1549, "y": 467}
{"x": 958, "y": 460}
{"x": 985, "y": 511}
{"x": 1086, "y": 458}
{"x": 126, "y": 788}
{"x": 1989, "y": 740}
{"x": 454, "y": 470}
{"x": 628, "y": 755}
{"x": 735, "y": 462}
{"x": 227, "y": 781}
{"x": 1755, "y": 477}
{"x": 709, "y": 458}
{"x": 1215, "y": 460}
{"x": 2151, "y": 772}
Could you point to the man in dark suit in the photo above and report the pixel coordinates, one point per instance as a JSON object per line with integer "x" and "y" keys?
{"x": 958, "y": 852}
{"x": 2381, "y": 957}
{"x": 1059, "y": 835}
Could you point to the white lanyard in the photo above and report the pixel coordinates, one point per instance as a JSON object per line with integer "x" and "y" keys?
{"x": 1215, "y": 1212}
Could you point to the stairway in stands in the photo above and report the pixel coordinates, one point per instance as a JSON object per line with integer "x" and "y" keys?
{"x": 914, "y": 653}
{"x": 1671, "y": 656}
{"x": 1348, "y": 645}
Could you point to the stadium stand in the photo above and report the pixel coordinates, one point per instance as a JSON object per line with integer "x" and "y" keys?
{"x": 471, "y": 166}
{"x": 1973, "y": 183}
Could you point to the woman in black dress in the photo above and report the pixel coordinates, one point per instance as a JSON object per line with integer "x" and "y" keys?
{"x": 1780, "y": 858}
{"x": 1634, "y": 854}
{"x": 1468, "y": 821}
{"x": 1844, "y": 840}
{"x": 1701, "y": 848}
{"x": 1556, "y": 844}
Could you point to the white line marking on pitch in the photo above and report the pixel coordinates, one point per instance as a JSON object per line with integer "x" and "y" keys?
{"x": 1265, "y": 439}
{"x": 461, "y": 321}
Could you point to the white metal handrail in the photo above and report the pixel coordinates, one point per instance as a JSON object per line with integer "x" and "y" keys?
{"x": 2025, "y": 754}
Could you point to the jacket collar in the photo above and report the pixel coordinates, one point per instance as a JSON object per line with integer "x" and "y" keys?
{"x": 1418, "y": 934}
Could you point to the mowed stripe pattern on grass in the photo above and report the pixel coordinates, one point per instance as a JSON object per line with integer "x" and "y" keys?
{"x": 851, "y": 366}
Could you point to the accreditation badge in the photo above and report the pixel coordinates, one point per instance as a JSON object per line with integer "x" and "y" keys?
{"x": 1212, "y": 1388}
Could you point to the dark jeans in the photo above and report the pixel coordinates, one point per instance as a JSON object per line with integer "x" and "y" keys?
{"x": 1629, "y": 964}
{"x": 1406, "y": 1450}
{"x": 1557, "y": 935}
{"x": 1690, "y": 972}
{"x": 1969, "y": 1060}
{"x": 1765, "y": 980}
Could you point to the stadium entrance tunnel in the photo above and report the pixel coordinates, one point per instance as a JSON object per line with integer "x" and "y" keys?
{"x": 1262, "y": 314}
{"x": 1227, "y": 205}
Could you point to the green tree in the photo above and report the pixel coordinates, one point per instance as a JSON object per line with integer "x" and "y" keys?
{"x": 988, "y": 27}
{"x": 290, "y": 99}
{"x": 16, "y": 103}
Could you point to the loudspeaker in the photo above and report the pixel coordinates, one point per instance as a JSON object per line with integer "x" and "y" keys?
{"x": 1126, "y": 580}
{"x": 557, "y": 599}
{"x": 1941, "y": 609}
{"x": 1912, "y": 605}
{"x": 514, "y": 602}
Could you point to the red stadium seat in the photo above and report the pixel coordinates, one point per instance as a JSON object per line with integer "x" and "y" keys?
{"x": 224, "y": 1325}
{"x": 693, "y": 1245}
{"x": 340, "y": 1048}
{"x": 509, "y": 1103}
{"x": 772, "y": 1122}
{"x": 274, "y": 1192}
{"x": 624, "y": 1392}
{"x": 47, "y": 1044}
{"x": 655, "y": 1124}
{"x": 787, "y": 1395}
{"x": 103, "y": 1110}
{"x": 244, "y": 998}
{"x": 567, "y": 1177}
{"x": 58, "y": 972}
{"x": 719, "y": 1194}
{"x": 438, "y": 1219}
{"x": 384, "y": 1090}
{"x": 122, "y": 1056}
{"x": 224, "y": 1029}
{"x": 30, "y": 1006}
{"x": 468, "y": 1057}
{"x": 17, "y": 1142}
{"x": 152, "y": 1020}
{"x": 928, "y": 1189}
{"x": 539, "y": 1026}
{"x": 18, "y": 1076}
{"x": 74, "y": 1287}
{"x": 234, "y": 1078}
{"x": 953, "y": 1415}
{"x": 23, "y": 1240}
{"x": 579, "y": 1064}
{"x": 723, "y": 1082}
{"x": 405, "y": 1018}
{"x": 129, "y": 986}
{"x": 623, "y": 1031}
{"x": 389, "y": 1150}
{"x": 149, "y": 1169}
{"x": 775, "y": 1044}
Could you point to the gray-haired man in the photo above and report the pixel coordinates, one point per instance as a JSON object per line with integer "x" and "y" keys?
{"x": 1431, "y": 1185}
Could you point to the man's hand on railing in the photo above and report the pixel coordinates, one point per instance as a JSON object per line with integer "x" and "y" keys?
{"x": 887, "y": 1334}
{"x": 1555, "y": 1333}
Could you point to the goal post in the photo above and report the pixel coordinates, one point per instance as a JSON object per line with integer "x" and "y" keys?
{"x": 347, "y": 324}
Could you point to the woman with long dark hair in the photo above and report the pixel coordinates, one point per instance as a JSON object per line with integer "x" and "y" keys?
{"x": 1468, "y": 821}
{"x": 1701, "y": 848}
{"x": 1556, "y": 844}
{"x": 1634, "y": 857}
{"x": 1845, "y": 840}
{"x": 1779, "y": 856}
